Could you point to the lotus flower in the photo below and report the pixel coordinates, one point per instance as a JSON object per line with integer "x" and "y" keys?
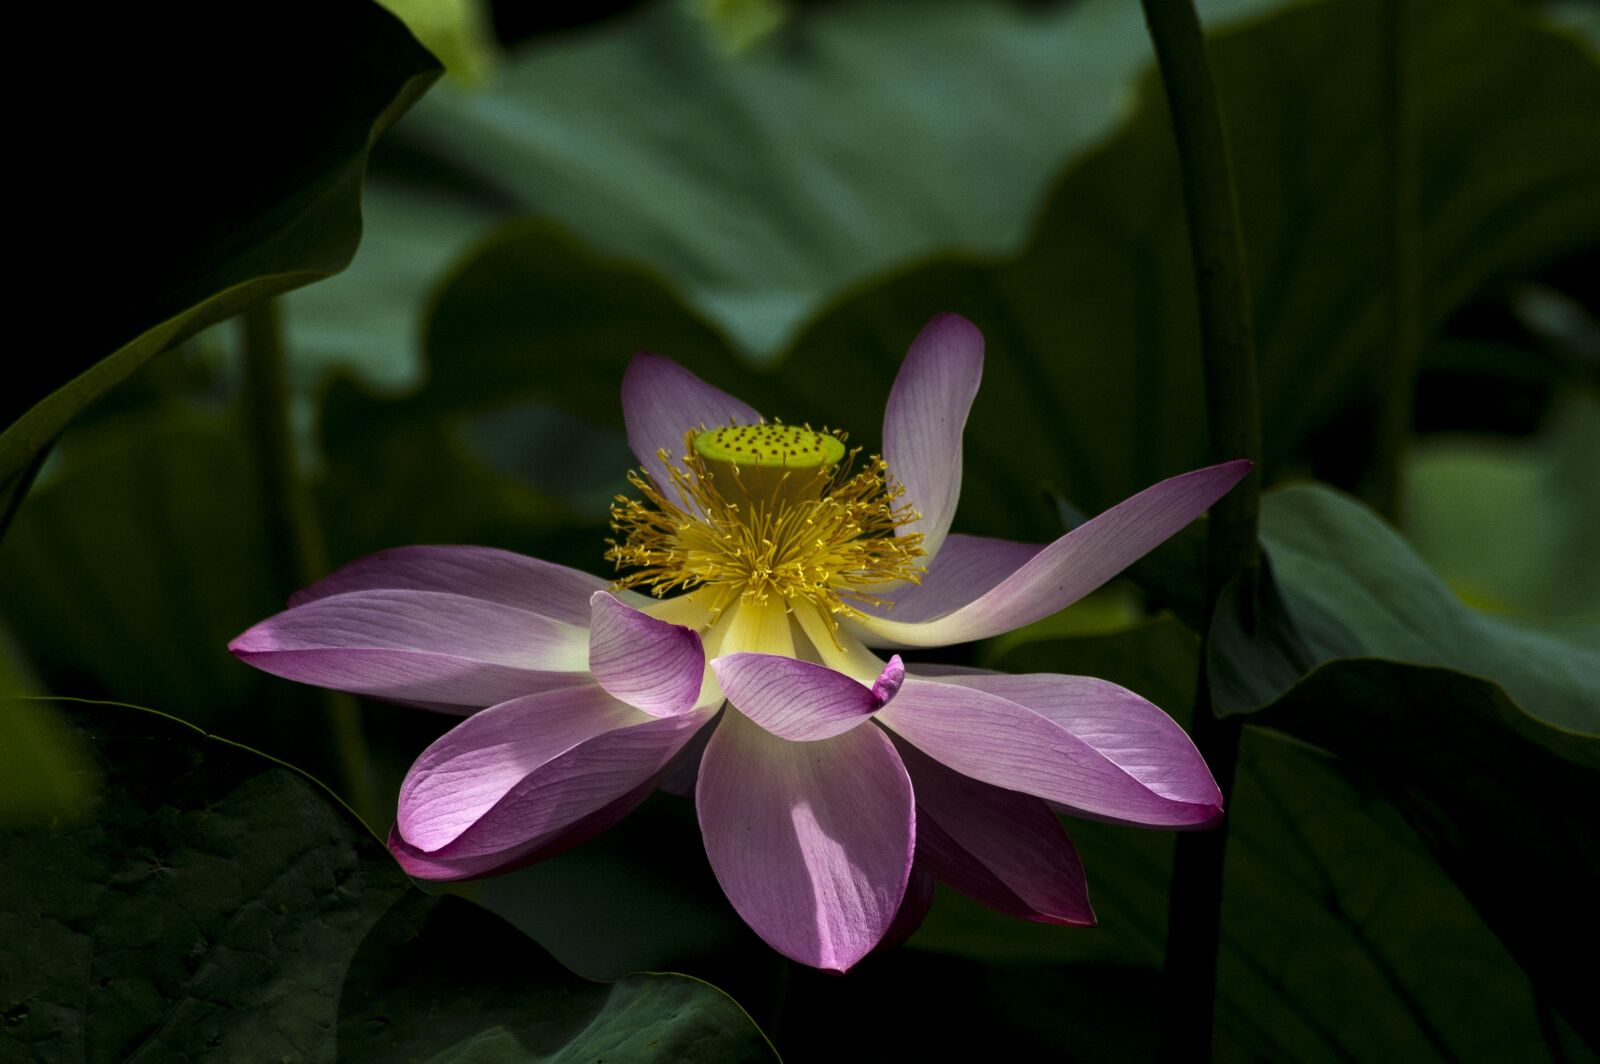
{"x": 761, "y": 568}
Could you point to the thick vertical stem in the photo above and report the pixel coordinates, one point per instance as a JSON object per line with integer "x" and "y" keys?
{"x": 1396, "y": 379}
{"x": 299, "y": 556}
{"x": 1228, "y": 353}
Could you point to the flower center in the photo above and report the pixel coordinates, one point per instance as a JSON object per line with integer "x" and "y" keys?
{"x": 770, "y": 446}
{"x": 767, "y": 514}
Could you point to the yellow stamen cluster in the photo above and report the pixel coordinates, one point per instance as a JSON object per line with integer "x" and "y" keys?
{"x": 767, "y": 527}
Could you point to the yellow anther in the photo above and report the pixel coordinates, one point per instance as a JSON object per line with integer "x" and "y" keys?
{"x": 765, "y": 511}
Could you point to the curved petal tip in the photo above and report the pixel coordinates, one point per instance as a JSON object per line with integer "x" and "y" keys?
{"x": 888, "y": 683}
{"x": 652, "y": 664}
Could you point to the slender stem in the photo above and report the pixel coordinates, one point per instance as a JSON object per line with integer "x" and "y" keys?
{"x": 1228, "y": 352}
{"x": 299, "y": 556}
{"x": 1396, "y": 381}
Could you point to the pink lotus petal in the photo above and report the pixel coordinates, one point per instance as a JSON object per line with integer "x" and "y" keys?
{"x": 580, "y": 781}
{"x": 469, "y": 768}
{"x": 441, "y": 865}
{"x": 812, "y": 842}
{"x": 925, "y": 417}
{"x": 967, "y": 567}
{"x": 476, "y": 572}
{"x": 1009, "y": 745}
{"x": 1004, "y": 849}
{"x": 661, "y": 401}
{"x": 889, "y": 681}
{"x": 428, "y": 648}
{"x": 801, "y": 701}
{"x": 530, "y": 768}
{"x": 1071, "y": 567}
{"x": 1133, "y": 732}
{"x": 649, "y": 664}
{"x": 913, "y": 908}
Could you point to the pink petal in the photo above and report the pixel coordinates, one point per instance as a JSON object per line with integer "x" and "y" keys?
{"x": 649, "y": 664}
{"x": 1001, "y": 742}
{"x": 1004, "y": 849}
{"x": 476, "y": 572}
{"x": 1133, "y": 732}
{"x": 913, "y": 908}
{"x": 442, "y": 866}
{"x": 925, "y": 417}
{"x": 889, "y": 681}
{"x": 801, "y": 701}
{"x": 812, "y": 842}
{"x": 1069, "y": 568}
{"x": 661, "y": 401}
{"x": 526, "y": 770}
{"x": 475, "y": 764}
{"x": 579, "y": 782}
{"x": 966, "y": 567}
{"x": 429, "y": 648}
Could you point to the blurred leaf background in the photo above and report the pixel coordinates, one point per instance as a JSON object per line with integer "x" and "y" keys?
{"x": 778, "y": 196}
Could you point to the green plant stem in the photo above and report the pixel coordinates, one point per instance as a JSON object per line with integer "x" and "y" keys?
{"x": 1228, "y": 352}
{"x": 1396, "y": 381}
{"x": 295, "y": 537}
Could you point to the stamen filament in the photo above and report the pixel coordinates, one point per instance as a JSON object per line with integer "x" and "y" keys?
{"x": 821, "y": 535}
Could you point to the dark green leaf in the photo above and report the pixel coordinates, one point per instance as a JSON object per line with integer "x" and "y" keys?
{"x": 545, "y": 136}
{"x": 143, "y": 553}
{"x": 1510, "y": 524}
{"x": 766, "y": 180}
{"x": 1092, "y": 378}
{"x": 224, "y": 905}
{"x": 912, "y": 1004}
{"x": 513, "y": 401}
{"x": 428, "y": 481}
{"x": 257, "y": 149}
{"x": 1504, "y": 802}
{"x": 534, "y": 315}
{"x": 136, "y": 561}
{"x": 1092, "y": 381}
{"x": 44, "y": 774}
{"x": 642, "y": 896}
{"x": 367, "y": 320}
{"x": 1342, "y": 938}
{"x": 1334, "y": 909}
{"x": 1481, "y": 731}
{"x": 457, "y": 31}
{"x": 441, "y": 979}
{"x": 1352, "y": 588}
